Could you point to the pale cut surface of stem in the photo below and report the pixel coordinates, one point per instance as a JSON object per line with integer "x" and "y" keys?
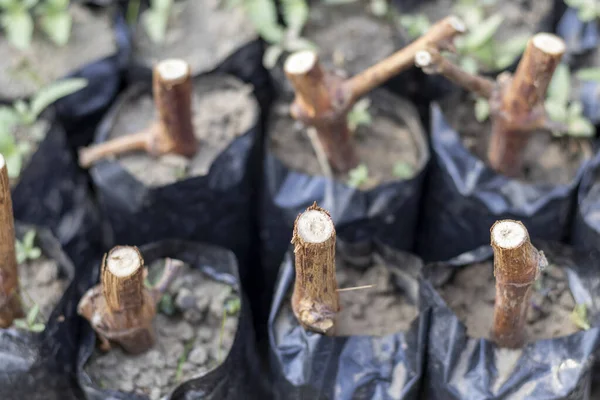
{"x": 315, "y": 300}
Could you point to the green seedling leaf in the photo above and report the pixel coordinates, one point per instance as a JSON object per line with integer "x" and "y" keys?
{"x": 581, "y": 127}
{"x": 297, "y": 43}
{"x": 509, "y": 50}
{"x": 155, "y": 23}
{"x": 38, "y": 327}
{"x": 233, "y": 306}
{"x": 133, "y": 11}
{"x": 403, "y": 170}
{"x": 54, "y": 91}
{"x": 32, "y": 314}
{"x": 358, "y": 176}
{"x": 263, "y": 15}
{"x": 359, "y": 115}
{"x": 469, "y": 64}
{"x": 579, "y": 316}
{"x": 482, "y": 109}
{"x": 57, "y": 27}
{"x": 560, "y": 85}
{"x": 482, "y": 33}
{"x": 556, "y": 111}
{"x": 415, "y": 25}
{"x": 21, "y": 324}
{"x": 379, "y": 8}
{"x": 295, "y": 14}
{"x": 589, "y": 74}
{"x": 18, "y": 26}
{"x": 271, "y": 56}
{"x": 167, "y": 305}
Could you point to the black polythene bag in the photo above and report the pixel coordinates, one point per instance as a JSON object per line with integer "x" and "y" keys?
{"x": 237, "y": 377}
{"x": 461, "y": 367}
{"x": 213, "y": 208}
{"x": 38, "y": 366}
{"x": 586, "y": 226}
{"x": 53, "y": 192}
{"x": 387, "y": 213}
{"x": 307, "y": 365}
{"x": 80, "y": 112}
{"x": 464, "y": 197}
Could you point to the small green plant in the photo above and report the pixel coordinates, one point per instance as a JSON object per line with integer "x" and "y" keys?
{"x": 263, "y": 15}
{"x": 18, "y": 22}
{"x": 587, "y": 10}
{"x": 184, "y": 355}
{"x": 579, "y": 317}
{"x": 402, "y": 170}
{"x": 30, "y": 322}
{"x": 589, "y": 74}
{"x": 166, "y": 305}
{"x": 478, "y": 48}
{"x": 26, "y": 249}
{"x": 415, "y": 25}
{"x": 24, "y": 114}
{"x": 155, "y": 19}
{"x": 561, "y": 110}
{"x": 358, "y": 176}
{"x": 359, "y": 115}
{"x": 231, "y": 308}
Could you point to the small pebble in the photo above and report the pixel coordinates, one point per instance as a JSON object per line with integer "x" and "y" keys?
{"x": 198, "y": 356}
{"x": 185, "y": 300}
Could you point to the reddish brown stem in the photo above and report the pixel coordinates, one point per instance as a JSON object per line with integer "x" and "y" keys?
{"x": 315, "y": 300}
{"x": 516, "y": 104}
{"x": 121, "y": 308}
{"x": 432, "y": 62}
{"x": 323, "y": 98}
{"x": 10, "y": 306}
{"x": 516, "y": 267}
{"x": 173, "y": 132}
{"x": 522, "y": 103}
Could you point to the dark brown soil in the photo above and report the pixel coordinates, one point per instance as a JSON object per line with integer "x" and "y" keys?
{"x": 520, "y": 16}
{"x": 471, "y": 293}
{"x": 348, "y": 36}
{"x": 376, "y": 311}
{"x": 42, "y": 285}
{"x": 189, "y": 344}
{"x": 388, "y": 140}
{"x": 202, "y": 32}
{"x": 548, "y": 159}
{"x": 224, "y": 109}
{"x": 24, "y": 72}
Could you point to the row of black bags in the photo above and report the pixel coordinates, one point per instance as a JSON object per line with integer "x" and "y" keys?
{"x": 224, "y": 213}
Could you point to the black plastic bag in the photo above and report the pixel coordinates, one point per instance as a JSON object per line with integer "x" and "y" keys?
{"x": 387, "y": 213}
{"x": 39, "y": 365}
{"x": 464, "y": 197}
{"x": 53, "y": 192}
{"x": 213, "y": 208}
{"x": 586, "y": 227}
{"x": 237, "y": 377}
{"x": 306, "y": 365}
{"x": 461, "y": 367}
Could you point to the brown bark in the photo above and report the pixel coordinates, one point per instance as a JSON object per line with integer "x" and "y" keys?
{"x": 10, "y": 305}
{"x": 516, "y": 267}
{"x": 173, "y": 132}
{"x": 432, "y": 62}
{"x": 516, "y": 103}
{"x": 315, "y": 300}
{"x": 323, "y": 99}
{"x": 121, "y": 309}
{"x": 522, "y": 103}
{"x": 439, "y": 35}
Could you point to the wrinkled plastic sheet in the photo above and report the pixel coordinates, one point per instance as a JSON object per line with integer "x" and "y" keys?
{"x": 464, "y": 197}
{"x": 586, "y": 228}
{"x": 461, "y": 367}
{"x": 388, "y": 212}
{"x": 307, "y": 365}
{"x": 213, "y": 208}
{"x": 237, "y": 377}
{"x": 37, "y": 365}
{"x": 53, "y": 192}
